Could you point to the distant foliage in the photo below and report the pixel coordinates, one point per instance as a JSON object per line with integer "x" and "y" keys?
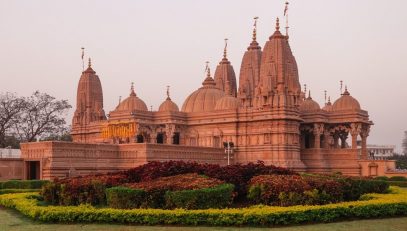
{"x": 27, "y": 119}
{"x": 401, "y": 161}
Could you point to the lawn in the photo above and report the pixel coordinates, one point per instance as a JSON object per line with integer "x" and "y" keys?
{"x": 12, "y": 220}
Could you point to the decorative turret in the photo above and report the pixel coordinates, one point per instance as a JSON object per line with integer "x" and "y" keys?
{"x": 168, "y": 105}
{"x": 279, "y": 83}
{"x": 250, "y": 70}
{"x": 225, "y": 74}
{"x": 89, "y": 99}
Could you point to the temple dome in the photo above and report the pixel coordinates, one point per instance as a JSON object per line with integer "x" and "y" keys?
{"x": 227, "y": 102}
{"x": 168, "y": 105}
{"x": 346, "y": 102}
{"x": 205, "y": 98}
{"x": 328, "y": 106}
{"x": 309, "y": 105}
{"x": 132, "y": 103}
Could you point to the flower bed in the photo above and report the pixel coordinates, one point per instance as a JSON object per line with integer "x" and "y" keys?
{"x": 374, "y": 205}
{"x": 90, "y": 189}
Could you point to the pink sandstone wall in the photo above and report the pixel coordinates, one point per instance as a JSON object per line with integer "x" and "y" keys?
{"x": 11, "y": 168}
{"x": 62, "y": 159}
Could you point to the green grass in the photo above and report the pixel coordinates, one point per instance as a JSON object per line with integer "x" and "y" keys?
{"x": 12, "y": 220}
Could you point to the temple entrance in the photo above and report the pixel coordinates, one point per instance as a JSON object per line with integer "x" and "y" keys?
{"x": 175, "y": 138}
{"x": 32, "y": 170}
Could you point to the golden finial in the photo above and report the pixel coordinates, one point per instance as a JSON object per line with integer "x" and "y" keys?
{"x": 309, "y": 94}
{"x": 225, "y": 49}
{"x": 89, "y": 62}
{"x": 255, "y": 28}
{"x": 168, "y": 92}
{"x": 341, "y": 82}
{"x": 305, "y": 89}
{"x": 325, "y": 96}
{"x": 329, "y": 99}
{"x": 278, "y": 24}
{"x": 151, "y": 107}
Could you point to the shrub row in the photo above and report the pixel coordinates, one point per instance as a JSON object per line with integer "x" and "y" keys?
{"x": 287, "y": 190}
{"x": 398, "y": 183}
{"x": 294, "y": 190}
{"x": 88, "y": 189}
{"x": 127, "y": 198}
{"x": 23, "y": 184}
{"x": 377, "y": 205}
{"x": 393, "y": 178}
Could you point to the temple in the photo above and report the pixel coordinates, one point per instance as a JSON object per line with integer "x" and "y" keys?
{"x": 266, "y": 114}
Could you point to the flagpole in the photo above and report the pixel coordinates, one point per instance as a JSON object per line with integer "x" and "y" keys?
{"x": 83, "y": 62}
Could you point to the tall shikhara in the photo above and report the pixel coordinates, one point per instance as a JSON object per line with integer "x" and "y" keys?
{"x": 279, "y": 84}
{"x": 89, "y": 103}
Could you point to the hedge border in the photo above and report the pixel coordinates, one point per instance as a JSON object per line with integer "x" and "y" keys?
{"x": 23, "y": 184}
{"x": 374, "y": 205}
{"x": 9, "y": 190}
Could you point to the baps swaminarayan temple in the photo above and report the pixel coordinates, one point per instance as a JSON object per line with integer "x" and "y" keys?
{"x": 265, "y": 114}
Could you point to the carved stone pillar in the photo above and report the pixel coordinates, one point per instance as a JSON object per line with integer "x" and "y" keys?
{"x": 318, "y": 129}
{"x": 355, "y": 129}
{"x": 326, "y": 139}
{"x": 364, "y": 134}
{"x": 336, "y": 141}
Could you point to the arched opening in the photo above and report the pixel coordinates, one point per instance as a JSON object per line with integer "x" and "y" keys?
{"x": 175, "y": 138}
{"x": 160, "y": 138}
{"x": 140, "y": 138}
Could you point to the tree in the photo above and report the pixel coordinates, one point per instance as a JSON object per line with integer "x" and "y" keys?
{"x": 42, "y": 116}
{"x": 64, "y": 135}
{"x": 404, "y": 143}
{"x": 11, "y": 107}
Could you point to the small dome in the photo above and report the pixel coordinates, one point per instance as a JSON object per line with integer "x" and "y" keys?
{"x": 346, "y": 102}
{"x": 132, "y": 103}
{"x": 168, "y": 105}
{"x": 328, "y": 106}
{"x": 203, "y": 99}
{"x": 309, "y": 105}
{"x": 227, "y": 102}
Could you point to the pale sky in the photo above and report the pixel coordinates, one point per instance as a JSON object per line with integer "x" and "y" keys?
{"x": 159, "y": 43}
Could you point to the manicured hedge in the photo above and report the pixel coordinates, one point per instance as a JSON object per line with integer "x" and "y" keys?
{"x": 398, "y": 183}
{"x": 124, "y": 198}
{"x": 398, "y": 178}
{"x": 375, "y": 205}
{"x": 288, "y": 190}
{"x": 23, "y": 184}
{"x": 220, "y": 196}
{"x": 6, "y": 191}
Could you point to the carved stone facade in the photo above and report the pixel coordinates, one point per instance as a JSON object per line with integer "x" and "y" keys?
{"x": 268, "y": 118}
